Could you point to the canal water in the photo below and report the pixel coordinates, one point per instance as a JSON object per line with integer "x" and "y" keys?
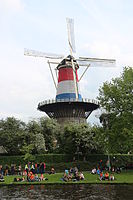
{"x": 62, "y": 192}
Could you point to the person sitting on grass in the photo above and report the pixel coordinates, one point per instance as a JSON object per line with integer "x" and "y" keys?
{"x": 75, "y": 170}
{"x": 71, "y": 172}
{"x": 19, "y": 179}
{"x": 81, "y": 176}
{"x": 66, "y": 171}
{"x": 93, "y": 171}
{"x": 30, "y": 177}
{"x": 41, "y": 177}
{"x": 107, "y": 176}
{"x": 52, "y": 171}
{"x": 36, "y": 177}
{"x": 1, "y": 178}
{"x": 77, "y": 177}
{"x": 65, "y": 177}
{"x": 98, "y": 171}
{"x": 111, "y": 178}
{"x": 24, "y": 173}
{"x": 69, "y": 176}
{"x": 101, "y": 177}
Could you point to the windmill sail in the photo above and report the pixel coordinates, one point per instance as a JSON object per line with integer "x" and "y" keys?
{"x": 83, "y": 61}
{"x": 71, "y": 38}
{"x": 30, "y": 52}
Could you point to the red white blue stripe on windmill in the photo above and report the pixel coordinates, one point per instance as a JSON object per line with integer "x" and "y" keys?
{"x": 65, "y": 87}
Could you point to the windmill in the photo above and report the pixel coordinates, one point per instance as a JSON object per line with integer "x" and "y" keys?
{"x": 68, "y": 104}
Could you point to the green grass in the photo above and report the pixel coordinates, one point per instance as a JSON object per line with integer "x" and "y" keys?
{"x": 125, "y": 177}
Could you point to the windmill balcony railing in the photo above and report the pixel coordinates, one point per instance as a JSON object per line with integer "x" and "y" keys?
{"x": 50, "y": 101}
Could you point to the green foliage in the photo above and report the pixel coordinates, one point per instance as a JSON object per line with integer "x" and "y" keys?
{"x": 78, "y": 139}
{"x": 12, "y": 134}
{"x": 27, "y": 150}
{"x": 117, "y": 98}
{"x": 35, "y": 137}
{"x": 50, "y": 129}
{"x": 39, "y": 143}
{"x": 15, "y": 135}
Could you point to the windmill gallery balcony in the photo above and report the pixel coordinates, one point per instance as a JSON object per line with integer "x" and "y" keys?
{"x": 68, "y": 110}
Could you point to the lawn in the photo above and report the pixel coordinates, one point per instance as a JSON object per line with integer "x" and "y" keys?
{"x": 124, "y": 177}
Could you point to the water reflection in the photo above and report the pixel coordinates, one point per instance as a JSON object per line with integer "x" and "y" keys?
{"x": 63, "y": 192}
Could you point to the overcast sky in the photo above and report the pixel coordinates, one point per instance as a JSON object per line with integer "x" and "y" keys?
{"x": 103, "y": 28}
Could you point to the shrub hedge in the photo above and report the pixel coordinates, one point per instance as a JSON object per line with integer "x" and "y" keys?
{"x": 62, "y": 161}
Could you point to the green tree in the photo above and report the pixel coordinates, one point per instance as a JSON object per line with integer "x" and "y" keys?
{"x": 77, "y": 138}
{"x": 35, "y": 137}
{"x": 50, "y": 129}
{"x": 116, "y": 97}
{"x": 12, "y": 133}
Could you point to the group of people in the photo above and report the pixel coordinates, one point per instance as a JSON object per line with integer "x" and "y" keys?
{"x": 9, "y": 170}
{"x": 73, "y": 175}
{"x": 30, "y": 178}
{"x": 31, "y": 172}
{"x": 105, "y": 176}
{"x": 37, "y": 168}
{"x": 13, "y": 169}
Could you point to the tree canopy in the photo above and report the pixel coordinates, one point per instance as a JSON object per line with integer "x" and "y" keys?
{"x": 116, "y": 97}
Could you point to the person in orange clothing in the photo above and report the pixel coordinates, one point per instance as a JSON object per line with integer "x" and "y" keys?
{"x": 32, "y": 177}
{"x": 101, "y": 177}
{"x": 106, "y": 176}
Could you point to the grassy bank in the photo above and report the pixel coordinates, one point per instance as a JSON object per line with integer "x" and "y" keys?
{"x": 122, "y": 178}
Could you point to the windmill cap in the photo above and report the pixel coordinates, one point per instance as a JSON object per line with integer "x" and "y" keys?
{"x": 66, "y": 62}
